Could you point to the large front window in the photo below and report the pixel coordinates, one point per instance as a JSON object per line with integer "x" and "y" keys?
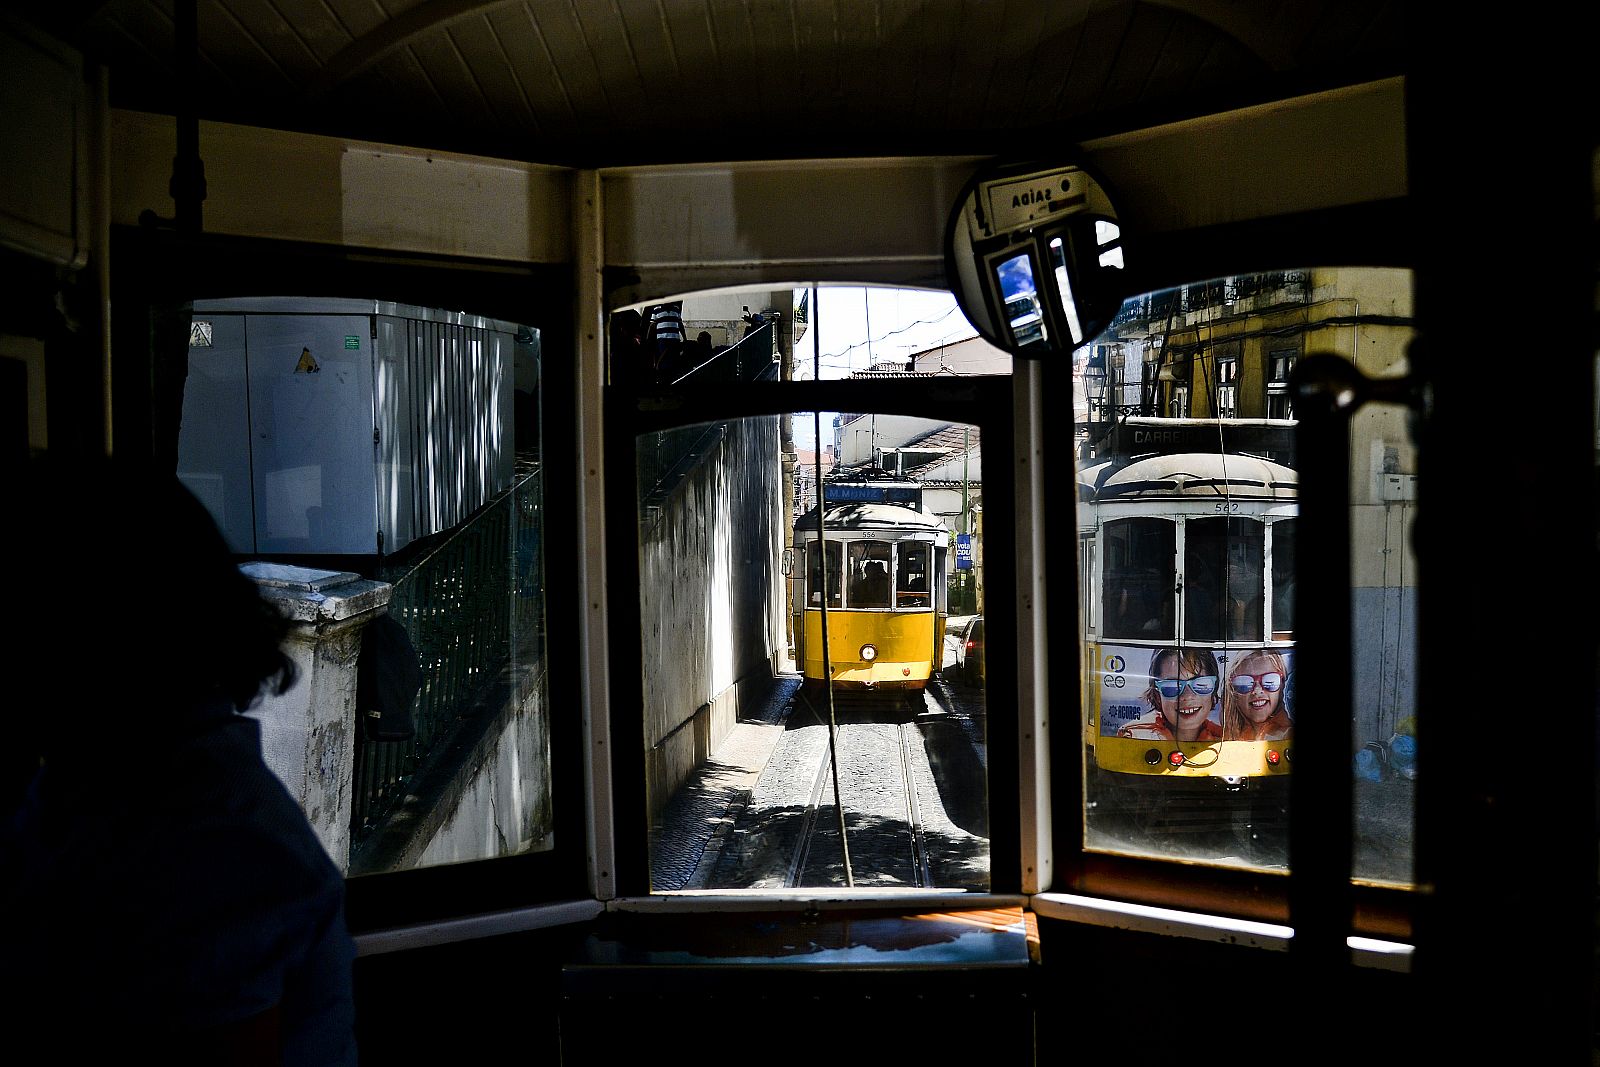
{"x": 821, "y": 724}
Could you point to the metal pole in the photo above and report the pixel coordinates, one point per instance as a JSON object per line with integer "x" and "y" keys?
{"x": 188, "y": 184}
{"x": 822, "y": 559}
{"x": 1325, "y": 390}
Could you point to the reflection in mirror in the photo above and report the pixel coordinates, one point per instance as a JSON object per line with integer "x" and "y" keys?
{"x": 1104, "y": 234}
{"x": 1069, "y": 306}
{"x": 1020, "y": 294}
{"x": 1011, "y": 220}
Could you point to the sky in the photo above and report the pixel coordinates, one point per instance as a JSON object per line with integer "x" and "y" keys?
{"x": 902, "y": 321}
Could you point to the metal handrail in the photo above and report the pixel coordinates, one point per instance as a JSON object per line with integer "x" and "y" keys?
{"x": 749, "y": 359}
{"x": 453, "y": 603}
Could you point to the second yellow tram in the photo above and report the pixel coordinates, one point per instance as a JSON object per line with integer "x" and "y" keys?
{"x": 882, "y": 560}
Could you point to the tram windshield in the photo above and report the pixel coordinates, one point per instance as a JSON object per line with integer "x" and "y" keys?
{"x": 1140, "y": 582}
{"x": 912, "y": 588}
{"x": 812, "y": 704}
{"x": 869, "y": 575}
{"x": 1222, "y": 579}
{"x": 1282, "y": 623}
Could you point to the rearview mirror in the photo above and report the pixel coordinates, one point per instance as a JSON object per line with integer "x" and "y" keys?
{"x": 1034, "y": 255}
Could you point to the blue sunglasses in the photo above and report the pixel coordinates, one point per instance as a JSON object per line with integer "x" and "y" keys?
{"x": 1202, "y": 686}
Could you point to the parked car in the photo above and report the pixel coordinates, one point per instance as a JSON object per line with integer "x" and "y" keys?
{"x": 1027, "y": 325}
{"x": 969, "y": 653}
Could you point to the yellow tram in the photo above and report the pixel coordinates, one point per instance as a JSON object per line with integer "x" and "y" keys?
{"x": 883, "y": 561}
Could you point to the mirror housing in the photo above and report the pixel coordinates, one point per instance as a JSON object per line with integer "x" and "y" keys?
{"x": 1034, "y": 255}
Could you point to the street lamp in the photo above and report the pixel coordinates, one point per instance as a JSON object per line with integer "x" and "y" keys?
{"x": 1094, "y": 381}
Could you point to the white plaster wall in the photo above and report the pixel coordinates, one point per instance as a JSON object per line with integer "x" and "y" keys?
{"x": 505, "y": 810}
{"x": 306, "y": 733}
{"x": 711, "y": 599}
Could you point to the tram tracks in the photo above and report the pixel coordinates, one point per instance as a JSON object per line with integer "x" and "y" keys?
{"x": 880, "y": 748}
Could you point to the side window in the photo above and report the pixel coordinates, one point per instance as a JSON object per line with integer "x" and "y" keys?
{"x": 397, "y": 444}
{"x": 814, "y": 569}
{"x": 1187, "y": 520}
{"x": 911, "y": 580}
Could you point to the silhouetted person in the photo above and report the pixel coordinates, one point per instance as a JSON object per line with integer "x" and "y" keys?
{"x": 631, "y": 360}
{"x": 164, "y": 897}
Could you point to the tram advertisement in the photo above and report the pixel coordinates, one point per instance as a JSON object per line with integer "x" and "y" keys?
{"x": 1194, "y": 693}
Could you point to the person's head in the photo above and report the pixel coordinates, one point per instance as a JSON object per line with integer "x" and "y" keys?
{"x": 627, "y": 326}
{"x": 135, "y": 609}
{"x": 1254, "y": 691}
{"x": 703, "y": 339}
{"x": 1183, "y": 688}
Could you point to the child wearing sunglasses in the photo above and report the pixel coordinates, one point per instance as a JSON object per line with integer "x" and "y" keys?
{"x": 1182, "y": 695}
{"x": 1252, "y": 703}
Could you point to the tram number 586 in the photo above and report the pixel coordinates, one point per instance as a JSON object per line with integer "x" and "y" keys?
{"x": 1227, "y": 507}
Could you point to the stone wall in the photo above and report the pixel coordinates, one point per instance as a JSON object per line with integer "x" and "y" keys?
{"x": 712, "y": 599}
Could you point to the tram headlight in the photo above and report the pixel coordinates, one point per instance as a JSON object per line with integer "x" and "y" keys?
{"x": 1273, "y": 757}
{"x": 1175, "y": 758}
{"x": 869, "y": 652}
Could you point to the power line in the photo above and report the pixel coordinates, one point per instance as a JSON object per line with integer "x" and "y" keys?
{"x": 874, "y": 340}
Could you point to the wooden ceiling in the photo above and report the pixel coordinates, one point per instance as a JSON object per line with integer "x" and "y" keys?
{"x": 598, "y": 82}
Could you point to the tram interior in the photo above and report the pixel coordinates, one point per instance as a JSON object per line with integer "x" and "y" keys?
{"x": 1182, "y": 332}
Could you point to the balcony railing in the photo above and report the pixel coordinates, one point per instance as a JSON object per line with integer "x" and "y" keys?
{"x": 666, "y": 457}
